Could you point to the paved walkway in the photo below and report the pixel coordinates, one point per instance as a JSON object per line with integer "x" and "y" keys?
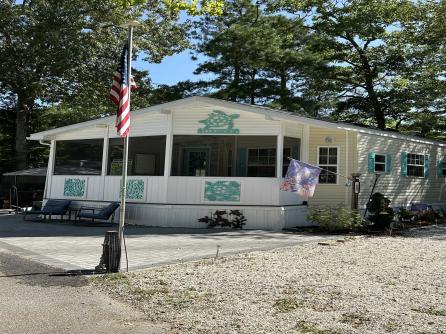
{"x": 70, "y": 247}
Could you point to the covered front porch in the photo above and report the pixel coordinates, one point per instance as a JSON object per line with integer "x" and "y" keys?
{"x": 186, "y": 158}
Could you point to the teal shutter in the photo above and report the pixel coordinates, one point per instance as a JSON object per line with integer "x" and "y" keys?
{"x": 426, "y": 165}
{"x": 241, "y": 162}
{"x": 388, "y": 163}
{"x": 371, "y": 162}
{"x": 403, "y": 163}
{"x": 440, "y": 167}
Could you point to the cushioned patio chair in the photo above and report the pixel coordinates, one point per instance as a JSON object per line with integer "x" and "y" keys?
{"x": 98, "y": 213}
{"x": 53, "y": 207}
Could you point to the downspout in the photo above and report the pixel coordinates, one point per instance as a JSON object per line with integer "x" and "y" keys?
{"x": 41, "y": 142}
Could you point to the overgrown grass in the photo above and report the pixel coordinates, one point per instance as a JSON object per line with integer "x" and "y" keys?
{"x": 432, "y": 311}
{"x": 287, "y": 304}
{"x": 354, "y": 319}
{"x": 309, "y": 328}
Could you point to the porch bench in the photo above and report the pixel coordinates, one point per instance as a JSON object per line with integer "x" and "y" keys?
{"x": 105, "y": 213}
{"x": 53, "y": 207}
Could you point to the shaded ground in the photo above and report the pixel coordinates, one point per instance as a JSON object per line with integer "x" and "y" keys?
{"x": 365, "y": 285}
{"x": 37, "y": 299}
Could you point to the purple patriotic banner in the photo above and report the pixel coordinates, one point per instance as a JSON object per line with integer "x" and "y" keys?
{"x": 301, "y": 178}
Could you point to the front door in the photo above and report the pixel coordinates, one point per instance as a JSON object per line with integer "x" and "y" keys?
{"x": 195, "y": 161}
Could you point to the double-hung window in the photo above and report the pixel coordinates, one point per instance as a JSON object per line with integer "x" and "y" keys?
{"x": 380, "y": 163}
{"x": 415, "y": 165}
{"x": 328, "y": 162}
{"x": 443, "y": 168}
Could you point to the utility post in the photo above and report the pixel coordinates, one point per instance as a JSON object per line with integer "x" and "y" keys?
{"x": 356, "y": 189}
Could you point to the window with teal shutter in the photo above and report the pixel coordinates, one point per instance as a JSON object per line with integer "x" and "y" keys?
{"x": 426, "y": 165}
{"x": 371, "y": 162}
{"x": 403, "y": 163}
{"x": 388, "y": 163}
{"x": 441, "y": 168}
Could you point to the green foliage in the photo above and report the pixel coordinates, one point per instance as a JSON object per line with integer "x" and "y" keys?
{"x": 336, "y": 219}
{"x": 62, "y": 53}
{"x": 257, "y": 57}
{"x": 373, "y": 62}
{"x": 195, "y": 7}
{"x": 234, "y": 219}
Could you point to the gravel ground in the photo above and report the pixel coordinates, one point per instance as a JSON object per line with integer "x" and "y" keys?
{"x": 37, "y": 299}
{"x": 361, "y": 285}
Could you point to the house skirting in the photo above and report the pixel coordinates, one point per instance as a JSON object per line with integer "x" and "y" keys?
{"x": 177, "y": 215}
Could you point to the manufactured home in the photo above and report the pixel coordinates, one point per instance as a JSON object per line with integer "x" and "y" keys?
{"x": 190, "y": 157}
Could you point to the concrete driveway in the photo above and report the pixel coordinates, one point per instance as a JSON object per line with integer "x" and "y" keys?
{"x": 71, "y": 247}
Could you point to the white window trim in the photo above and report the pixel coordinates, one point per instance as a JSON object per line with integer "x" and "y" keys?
{"x": 407, "y": 164}
{"x": 381, "y": 163}
{"x": 337, "y": 163}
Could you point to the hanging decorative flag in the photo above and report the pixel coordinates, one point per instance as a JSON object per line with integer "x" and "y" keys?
{"x": 119, "y": 94}
{"x": 301, "y": 178}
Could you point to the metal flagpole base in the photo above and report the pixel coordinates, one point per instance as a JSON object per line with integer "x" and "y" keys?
{"x": 111, "y": 254}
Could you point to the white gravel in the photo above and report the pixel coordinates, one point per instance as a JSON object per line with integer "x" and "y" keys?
{"x": 366, "y": 285}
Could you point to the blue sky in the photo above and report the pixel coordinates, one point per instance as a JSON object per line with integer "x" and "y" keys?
{"x": 172, "y": 69}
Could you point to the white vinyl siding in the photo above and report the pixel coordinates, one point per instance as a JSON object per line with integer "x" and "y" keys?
{"x": 399, "y": 188}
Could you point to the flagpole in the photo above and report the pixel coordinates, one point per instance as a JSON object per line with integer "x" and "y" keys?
{"x": 126, "y": 143}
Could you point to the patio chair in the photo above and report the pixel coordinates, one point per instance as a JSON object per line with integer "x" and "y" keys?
{"x": 53, "y": 207}
{"x": 98, "y": 213}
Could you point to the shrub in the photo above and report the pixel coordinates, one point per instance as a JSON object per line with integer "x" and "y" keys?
{"x": 234, "y": 219}
{"x": 336, "y": 219}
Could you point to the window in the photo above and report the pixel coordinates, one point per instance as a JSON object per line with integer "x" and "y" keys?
{"x": 262, "y": 162}
{"x": 328, "y": 161}
{"x": 146, "y": 156}
{"x": 291, "y": 149}
{"x": 415, "y": 165}
{"x": 226, "y": 156}
{"x": 380, "y": 163}
{"x": 78, "y": 157}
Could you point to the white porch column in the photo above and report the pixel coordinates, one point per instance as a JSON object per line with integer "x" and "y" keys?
{"x": 168, "y": 151}
{"x": 279, "y": 152}
{"x": 104, "y": 161}
{"x": 305, "y": 144}
{"x": 49, "y": 171}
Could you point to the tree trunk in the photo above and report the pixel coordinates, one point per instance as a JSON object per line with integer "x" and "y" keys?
{"x": 253, "y": 88}
{"x": 283, "y": 94}
{"x": 376, "y": 105}
{"x": 23, "y": 111}
{"x": 235, "y": 83}
{"x": 369, "y": 75}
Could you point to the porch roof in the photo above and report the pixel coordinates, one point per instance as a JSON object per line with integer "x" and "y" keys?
{"x": 273, "y": 114}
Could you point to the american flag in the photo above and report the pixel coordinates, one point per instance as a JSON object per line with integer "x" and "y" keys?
{"x": 119, "y": 94}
